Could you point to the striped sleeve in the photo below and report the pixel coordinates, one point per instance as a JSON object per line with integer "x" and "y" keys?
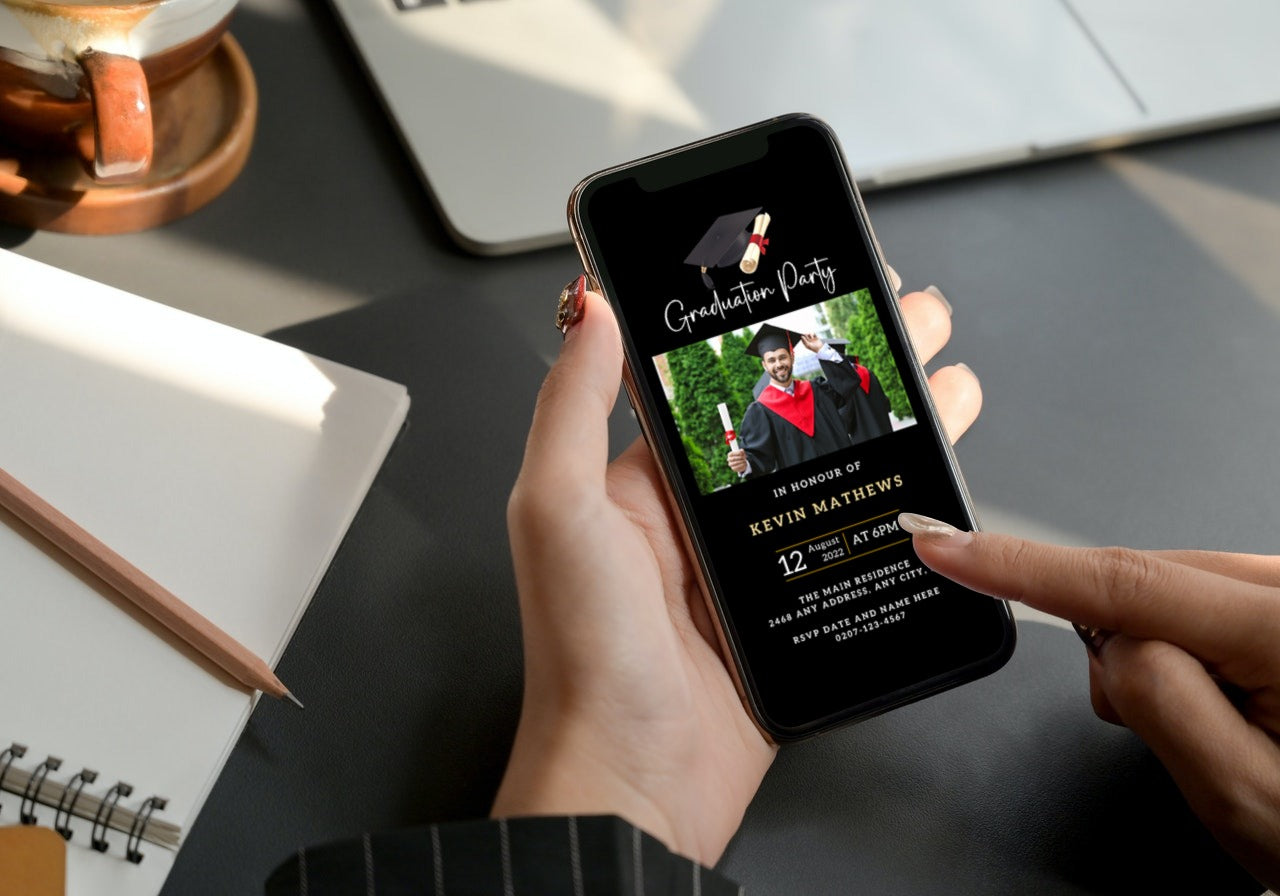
{"x": 575, "y": 856}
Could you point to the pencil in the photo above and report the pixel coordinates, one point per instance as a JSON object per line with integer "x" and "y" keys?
{"x": 144, "y": 592}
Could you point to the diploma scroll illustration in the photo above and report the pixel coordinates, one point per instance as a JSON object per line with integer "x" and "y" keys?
{"x": 755, "y": 248}
{"x": 730, "y": 437}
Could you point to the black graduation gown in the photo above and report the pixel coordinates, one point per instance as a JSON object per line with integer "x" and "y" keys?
{"x": 772, "y": 442}
{"x": 867, "y": 413}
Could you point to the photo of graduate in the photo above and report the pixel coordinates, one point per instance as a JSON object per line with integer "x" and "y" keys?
{"x": 868, "y": 415}
{"x": 793, "y": 420}
{"x": 752, "y": 401}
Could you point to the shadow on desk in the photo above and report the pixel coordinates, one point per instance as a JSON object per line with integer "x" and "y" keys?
{"x": 409, "y": 664}
{"x": 12, "y": 236}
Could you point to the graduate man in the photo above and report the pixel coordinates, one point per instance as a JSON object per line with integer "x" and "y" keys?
{"x": 793, "y": 420}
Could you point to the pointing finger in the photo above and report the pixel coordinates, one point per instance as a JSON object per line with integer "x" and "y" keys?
{"x": 1137, "y": 593}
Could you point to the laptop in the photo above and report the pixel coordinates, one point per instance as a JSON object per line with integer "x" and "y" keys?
{"x": 504, "y": 105}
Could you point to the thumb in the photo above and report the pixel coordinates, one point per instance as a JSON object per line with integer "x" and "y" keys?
{"x": 568, "y": 443}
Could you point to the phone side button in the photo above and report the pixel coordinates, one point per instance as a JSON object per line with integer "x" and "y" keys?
{"x": 633, "y": 399}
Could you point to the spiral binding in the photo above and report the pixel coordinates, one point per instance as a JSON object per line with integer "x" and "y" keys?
{"x": 69, "y": 800}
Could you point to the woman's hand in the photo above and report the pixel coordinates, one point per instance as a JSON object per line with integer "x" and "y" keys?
{"x": 1187, "y": 654}
{"x": 628, "y": 706}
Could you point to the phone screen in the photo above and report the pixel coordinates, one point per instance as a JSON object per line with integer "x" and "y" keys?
{"x": 723, "y": 262}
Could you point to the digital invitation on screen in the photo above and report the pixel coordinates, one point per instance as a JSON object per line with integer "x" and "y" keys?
{"x": 792, "y": 420}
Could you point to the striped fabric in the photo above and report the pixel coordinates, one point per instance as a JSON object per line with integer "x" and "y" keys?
{"x": 576, "y": 856}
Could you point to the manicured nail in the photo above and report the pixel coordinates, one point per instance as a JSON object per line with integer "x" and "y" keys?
{"x": 569, "y": 308}
{"x": 937, "y": 294}
{"x": 894, "y": 279}
{"x": 935, "y": 531}
{"x": 1092, "y": 636}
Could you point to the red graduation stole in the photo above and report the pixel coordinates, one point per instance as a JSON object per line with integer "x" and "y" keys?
{"x": 796, "y": 409}
{"x": 864, "y": 375}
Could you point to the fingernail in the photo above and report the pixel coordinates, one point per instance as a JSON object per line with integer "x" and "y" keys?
{"x": 1092, "y": 636}
{"x": 569, "y": 308}
{"x": 937, "y": 294}
{"x": 965, "y": 366}
{"x": 935, "y": 531}
{"x": 894, "y": 279}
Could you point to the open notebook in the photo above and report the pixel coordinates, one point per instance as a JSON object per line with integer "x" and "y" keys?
{"x": 225, "y": 466}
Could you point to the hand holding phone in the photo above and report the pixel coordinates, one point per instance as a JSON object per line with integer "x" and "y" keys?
{"x": 629, "y": 707}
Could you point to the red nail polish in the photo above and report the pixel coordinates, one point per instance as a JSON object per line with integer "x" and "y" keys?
{"x": 572, "y": 302}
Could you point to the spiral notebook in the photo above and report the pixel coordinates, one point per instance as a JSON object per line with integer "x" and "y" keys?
{"x": 225, "y": 466}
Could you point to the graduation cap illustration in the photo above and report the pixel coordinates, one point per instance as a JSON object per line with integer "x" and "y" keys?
{"x": 729, "y": 241}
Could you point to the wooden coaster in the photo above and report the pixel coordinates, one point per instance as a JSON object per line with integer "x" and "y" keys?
{"x": 33, "y": 862}
{"x": 203, "y": 130}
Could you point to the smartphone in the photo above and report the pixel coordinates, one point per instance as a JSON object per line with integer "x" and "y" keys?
{"x": 776, "y": 385}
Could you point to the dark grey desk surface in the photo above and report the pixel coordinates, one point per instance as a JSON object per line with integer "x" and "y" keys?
{"x": 1122, "y": 310}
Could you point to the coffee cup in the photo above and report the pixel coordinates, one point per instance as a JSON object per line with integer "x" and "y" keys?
{"x": 77, "y": 75}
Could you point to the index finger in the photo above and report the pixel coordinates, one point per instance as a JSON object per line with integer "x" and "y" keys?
{"x": 1139, "y": 593}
